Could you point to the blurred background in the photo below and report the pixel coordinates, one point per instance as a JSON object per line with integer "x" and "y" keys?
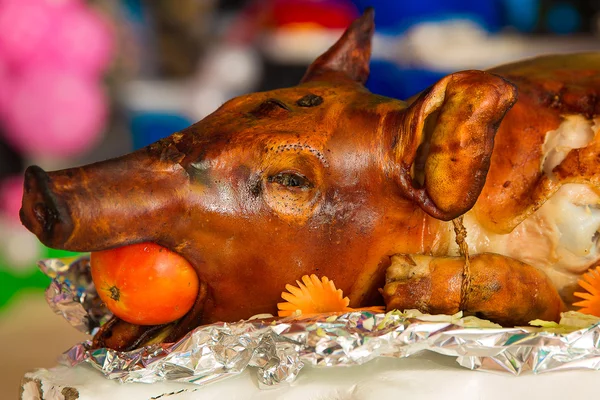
{"x": 82, "y": 81}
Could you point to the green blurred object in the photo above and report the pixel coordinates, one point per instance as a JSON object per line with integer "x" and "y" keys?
{"x": 12, "y": 282}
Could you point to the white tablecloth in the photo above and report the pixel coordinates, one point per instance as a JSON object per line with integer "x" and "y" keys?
{"x": 426, "y": 376}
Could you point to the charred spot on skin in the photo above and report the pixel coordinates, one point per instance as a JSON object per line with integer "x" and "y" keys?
{"x": 310, "y": 100}
{"x": 256, "y": 188}
{"x": 171, "y": 154}
{"x": 46, "y": 216}
{"x": 159, "y": 145}
{"x": 270, "y": 108}
{"x": 166, "y": 150}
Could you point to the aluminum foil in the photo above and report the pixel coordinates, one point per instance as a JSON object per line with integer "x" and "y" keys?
{"x": 279, "y": 348}
{"x": 72, "y": 293}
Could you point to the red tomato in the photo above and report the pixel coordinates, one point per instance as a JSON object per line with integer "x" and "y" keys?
{"x": 144, "y": 284}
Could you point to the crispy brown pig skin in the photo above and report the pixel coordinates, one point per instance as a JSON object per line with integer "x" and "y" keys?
{"x": 550, "y": 87}
{"x": 326, "y": 178}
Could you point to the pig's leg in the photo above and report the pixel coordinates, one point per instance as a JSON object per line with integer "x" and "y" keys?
{"x": 498, "y": 288}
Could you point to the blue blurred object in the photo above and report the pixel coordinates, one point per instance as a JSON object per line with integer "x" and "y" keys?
{"x": 394, "y": 18}
{"x": 563, "y": 18}
{"x": 399, "y": 15}
{"x": 388, "y": 79}
{"x": 134, "y": 10}
{"x": 148, "y": 127}
{"x": 522, "y": 14}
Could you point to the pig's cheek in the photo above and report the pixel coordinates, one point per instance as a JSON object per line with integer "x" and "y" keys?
{"x": 293, "y": 205}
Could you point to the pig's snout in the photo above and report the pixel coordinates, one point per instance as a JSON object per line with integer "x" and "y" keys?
{"x": 42, "y": 211}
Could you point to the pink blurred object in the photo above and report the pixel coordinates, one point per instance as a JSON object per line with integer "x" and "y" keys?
{"x": 4, "y": 85}
{"x": 11, "y": 193}
{"x": 54, "y": 113}
{"x": 24, "y": 26}
{"x": 65, "y": 34}
{"x": 81, "y": 42}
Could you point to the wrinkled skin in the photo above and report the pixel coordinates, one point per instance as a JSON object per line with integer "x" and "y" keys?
{"x": 322, "y": 178}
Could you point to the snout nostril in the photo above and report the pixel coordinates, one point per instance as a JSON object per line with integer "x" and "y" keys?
{"x": 44, "y": 211}
{"x": 45, "y": 216}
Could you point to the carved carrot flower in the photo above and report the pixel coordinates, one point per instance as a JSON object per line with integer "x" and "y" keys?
{"x": 314, "y": 296}
{"x": 591, "y": 302}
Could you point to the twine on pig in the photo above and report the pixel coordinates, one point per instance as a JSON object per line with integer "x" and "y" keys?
{"x": 461, "y": 235}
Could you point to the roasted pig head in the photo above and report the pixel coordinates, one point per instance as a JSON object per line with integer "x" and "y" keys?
{"x": 322, "y": 178}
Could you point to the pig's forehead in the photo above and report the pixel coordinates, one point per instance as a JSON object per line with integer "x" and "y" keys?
{"x": 311, "y": 112}
{"x": 329, "y": 92}
{"x": 299, "y": 101}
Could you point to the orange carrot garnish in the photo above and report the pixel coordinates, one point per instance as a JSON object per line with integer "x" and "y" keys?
{"x": 591, "y": 299}
{"x": 314, "y": 296}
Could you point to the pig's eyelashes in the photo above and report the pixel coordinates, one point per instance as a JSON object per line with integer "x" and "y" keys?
{"x": 291, "y": 195}
{"x": 291, "y": 179}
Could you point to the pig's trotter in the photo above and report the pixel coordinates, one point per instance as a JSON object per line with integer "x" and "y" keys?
{"x": 501, "y": 289}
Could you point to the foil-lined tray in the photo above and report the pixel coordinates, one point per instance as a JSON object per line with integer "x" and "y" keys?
{"x": 279, "y": 348}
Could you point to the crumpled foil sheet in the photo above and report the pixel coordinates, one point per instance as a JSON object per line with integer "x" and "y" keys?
{"x": 72, "y": 293}
{"x": 279, "y": 348}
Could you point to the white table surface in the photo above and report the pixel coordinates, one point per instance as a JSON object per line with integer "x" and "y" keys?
{"x": 426, "y": 376}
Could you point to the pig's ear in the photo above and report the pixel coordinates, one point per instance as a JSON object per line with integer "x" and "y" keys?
{"x": 446, "y": 138}
{"x": 349, "y": 56}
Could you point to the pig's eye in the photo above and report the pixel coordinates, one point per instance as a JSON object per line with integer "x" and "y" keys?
{"x": 291, "y": 194}
{"x": 291, "y": 179}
